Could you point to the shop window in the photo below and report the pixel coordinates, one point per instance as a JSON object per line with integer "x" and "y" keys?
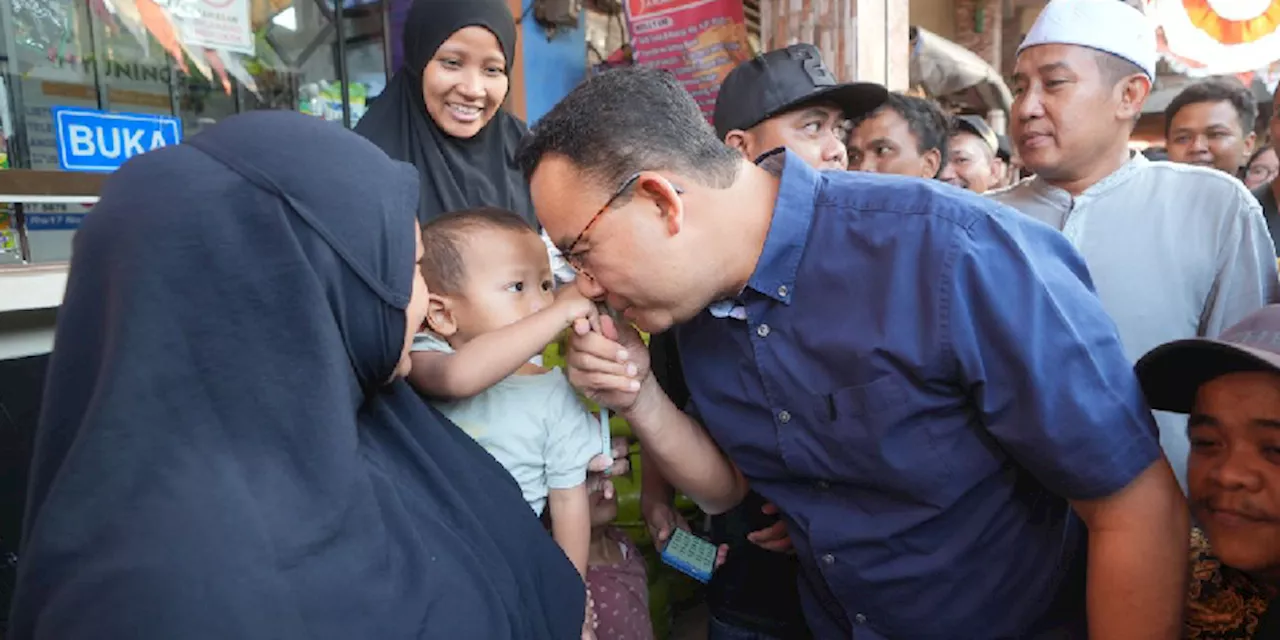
{"x": 188, "y": 62}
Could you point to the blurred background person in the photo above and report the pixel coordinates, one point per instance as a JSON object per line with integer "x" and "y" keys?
{"x": 1266, "y": 192}
{"x": 1210, "y": 124}
{"x": 907, "y": 136}
{"x": 971, "y": 156}
{"x": 1262, "y": 167}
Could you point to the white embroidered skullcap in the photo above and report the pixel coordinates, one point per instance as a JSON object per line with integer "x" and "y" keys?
{"x": 1112, "y": 26}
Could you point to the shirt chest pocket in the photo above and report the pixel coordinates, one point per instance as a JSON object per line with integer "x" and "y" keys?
{"x": 868, "y": 436}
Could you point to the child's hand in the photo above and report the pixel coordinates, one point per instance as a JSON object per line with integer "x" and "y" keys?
{"x": 575, "y": 305}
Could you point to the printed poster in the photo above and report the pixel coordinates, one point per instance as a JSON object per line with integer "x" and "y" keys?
{"x": 699, "y": 41}
{"x": 215, "y": 24}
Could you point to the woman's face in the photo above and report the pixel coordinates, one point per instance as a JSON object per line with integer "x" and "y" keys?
{"x": 465, "y": 82}
{"x": 416, "y": 312}
{"x": 1262, "y": 170}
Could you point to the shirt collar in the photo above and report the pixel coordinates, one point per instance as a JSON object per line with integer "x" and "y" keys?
{"x": 1116, "y": 179}
{"x": 775, "y": 272}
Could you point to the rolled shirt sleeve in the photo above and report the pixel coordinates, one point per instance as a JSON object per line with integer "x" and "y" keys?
{"x": 1042, "y": 360}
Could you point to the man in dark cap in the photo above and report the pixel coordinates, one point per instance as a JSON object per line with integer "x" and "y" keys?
{"x": 784, "y": 98}
{"x": 1230, "y": 388}
{"x": 788, "y": 98}
{"x": 971, "y": 156}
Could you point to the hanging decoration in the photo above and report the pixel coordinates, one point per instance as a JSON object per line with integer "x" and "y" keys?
{"x": 214, "y": 36}
{"x": 1217, "y": 37}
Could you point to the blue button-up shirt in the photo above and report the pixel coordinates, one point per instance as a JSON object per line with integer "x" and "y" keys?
{"x": 920, "y": 379}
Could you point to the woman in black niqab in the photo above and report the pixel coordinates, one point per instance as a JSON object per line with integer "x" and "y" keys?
{"x": 219, "y": 454}
{"x": 457, "y": 173}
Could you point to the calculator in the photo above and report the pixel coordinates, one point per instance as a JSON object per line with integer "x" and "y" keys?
{"x": 690, "y": 555}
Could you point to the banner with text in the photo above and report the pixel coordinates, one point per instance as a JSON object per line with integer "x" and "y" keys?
{"x": 699, "y": 41}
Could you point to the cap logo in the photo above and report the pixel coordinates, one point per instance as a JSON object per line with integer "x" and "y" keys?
{"x": 813, "y": 66}
{"x": 1268, "y": 340}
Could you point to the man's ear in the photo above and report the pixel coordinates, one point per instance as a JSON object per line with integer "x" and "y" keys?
{"x": 1133, "y": 94}
{"x": 740, "y": 140}
{"x": 1250, "y": 143}
{"x": 440, "y": 318}
{"x": 932, "y": 164}
{"x": 665, "y": 197}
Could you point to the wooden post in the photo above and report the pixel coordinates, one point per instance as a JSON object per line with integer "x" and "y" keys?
{"x": 864, "y": 40}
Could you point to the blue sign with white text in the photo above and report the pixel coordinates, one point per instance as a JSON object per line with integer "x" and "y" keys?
{"x": 91, "y": 140}
{"x": 54, "y": 221}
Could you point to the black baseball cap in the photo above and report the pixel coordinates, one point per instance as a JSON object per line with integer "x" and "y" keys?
{"x": 1172, "y": 373}
{"x": 978, "y": 127}
{"x": 784, "y": 80}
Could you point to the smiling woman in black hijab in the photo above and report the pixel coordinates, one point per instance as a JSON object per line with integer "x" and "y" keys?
{"x": 220, "y": 454}
{"x": 441, "y": 111}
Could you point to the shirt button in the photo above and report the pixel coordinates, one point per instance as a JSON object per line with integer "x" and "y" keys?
{"x": 762, "y": 330}
{"x": 860, "y": 619}
{"x": 782, "y": 291}
{"x": 784, "y": 416}
{"x": 828, "y": 559}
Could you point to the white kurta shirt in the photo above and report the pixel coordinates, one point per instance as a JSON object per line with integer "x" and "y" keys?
{"x": 1175, "y": 251}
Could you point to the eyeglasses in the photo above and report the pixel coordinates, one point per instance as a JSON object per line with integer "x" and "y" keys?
{"x": 1260, "y": 172}
{"x": 575, "y": 260}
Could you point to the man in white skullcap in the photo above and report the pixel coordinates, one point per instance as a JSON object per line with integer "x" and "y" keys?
{"x": 1175, "y": 251}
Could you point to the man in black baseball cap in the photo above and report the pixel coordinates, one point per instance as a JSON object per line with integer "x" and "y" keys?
{"x": 788, "y": 98}
{"x": 972, "y": 150}
{"x": 1230, "y": 386}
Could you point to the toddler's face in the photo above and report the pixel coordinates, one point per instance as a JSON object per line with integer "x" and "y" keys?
{"x": 508, "y": 278}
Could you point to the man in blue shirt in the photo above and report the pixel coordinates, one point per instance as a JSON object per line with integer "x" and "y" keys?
{"x": 921, "y": 379}
{"x": 786, "y": 97}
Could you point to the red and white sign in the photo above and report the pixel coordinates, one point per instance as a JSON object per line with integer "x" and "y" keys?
{"x": 699, "y": 41}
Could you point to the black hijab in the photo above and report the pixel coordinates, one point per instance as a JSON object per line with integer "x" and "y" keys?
{"x": 217, "y": 456}
{"x": 456, "y": 173}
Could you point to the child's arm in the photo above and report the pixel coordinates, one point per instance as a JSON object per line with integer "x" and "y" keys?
{"x": 485, "y": 360}
{"x": 571, "y": 523}
{"x": 573, "y": 438}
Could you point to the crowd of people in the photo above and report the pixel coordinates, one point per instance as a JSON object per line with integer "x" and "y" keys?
{"x": 921, "y": 396}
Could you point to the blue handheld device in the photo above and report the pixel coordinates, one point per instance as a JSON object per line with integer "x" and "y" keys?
{"x": 690, "y": 555}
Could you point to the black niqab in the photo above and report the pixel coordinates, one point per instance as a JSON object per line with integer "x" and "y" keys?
{"x": 456, "y": 173}
{"x": 217, "y": 456}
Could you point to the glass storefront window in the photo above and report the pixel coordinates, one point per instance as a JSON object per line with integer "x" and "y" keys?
{"x": 198, "y": 61}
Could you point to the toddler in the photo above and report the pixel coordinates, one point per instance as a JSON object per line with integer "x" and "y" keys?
{"x": 616, "y": 574}
{"x": 492, "y": 309}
